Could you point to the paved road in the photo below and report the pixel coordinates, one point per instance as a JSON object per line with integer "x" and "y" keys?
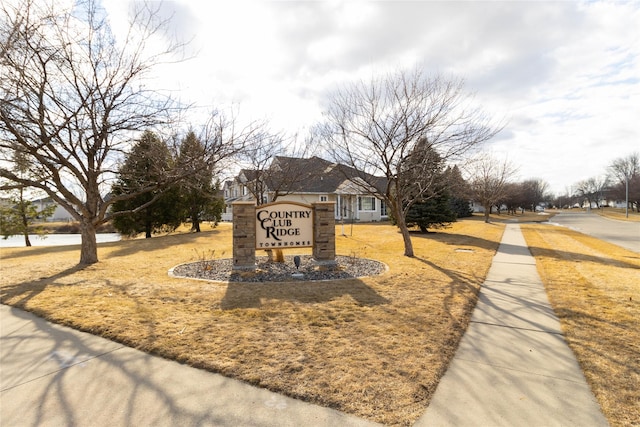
{"x": 621, "y": 233}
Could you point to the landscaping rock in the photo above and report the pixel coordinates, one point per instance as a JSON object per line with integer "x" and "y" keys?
{"x": 270, "y": 271}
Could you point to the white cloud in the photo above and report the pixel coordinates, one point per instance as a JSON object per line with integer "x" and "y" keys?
{"x": 564, "y": 74}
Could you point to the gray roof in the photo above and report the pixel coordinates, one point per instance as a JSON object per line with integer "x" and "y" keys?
{"x": 312, "y": 175}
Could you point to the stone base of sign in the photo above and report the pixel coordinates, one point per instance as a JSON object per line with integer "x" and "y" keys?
{"x": 244, "y": 236}
{"x": 324, "y": 233}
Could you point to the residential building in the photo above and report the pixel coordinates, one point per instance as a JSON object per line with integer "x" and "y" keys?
{"x": 308, "y": 181}
{"x": 60, "y": 214}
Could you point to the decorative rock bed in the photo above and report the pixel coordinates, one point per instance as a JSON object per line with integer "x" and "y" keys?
{"x": 271, "y": 271}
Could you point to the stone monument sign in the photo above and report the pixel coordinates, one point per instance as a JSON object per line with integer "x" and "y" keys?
{"x": 283, "y": 225}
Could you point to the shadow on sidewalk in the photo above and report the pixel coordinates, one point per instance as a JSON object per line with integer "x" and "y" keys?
{"x": 54, "y": 375}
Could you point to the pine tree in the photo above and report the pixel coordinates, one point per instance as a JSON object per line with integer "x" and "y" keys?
{"x": 198, "y": 194}
{"x": 158, "y": 210}
{"x": 423, "y": 168}
{"x": 458, "y": 192}
{"x": 431, "y": 213}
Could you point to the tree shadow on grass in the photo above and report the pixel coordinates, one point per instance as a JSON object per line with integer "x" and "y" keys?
{"x": 41, "y": 250}
{"x": 29, "y": 289}
{"x": 581, "y": 257}
{"x": 455, "y": 239}
{"x": 123, "y": 247}
{"x": 251, "y": 295}
{"x": 132, "y": 247}
{"x": 459, "y": 284}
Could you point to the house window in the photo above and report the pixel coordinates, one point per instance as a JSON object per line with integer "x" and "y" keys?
{"x": 324, "y": 198}
{"x": 366, "y": 203}
{"x": 383, "y": 208}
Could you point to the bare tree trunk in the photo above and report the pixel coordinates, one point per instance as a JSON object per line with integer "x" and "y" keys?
{"x": 25, "y": 225}
{"x": 195, "y": 221}
{"x": 487, "y": 211}
{"x": 402, "y": 225}
{"x": 89, "y": 247}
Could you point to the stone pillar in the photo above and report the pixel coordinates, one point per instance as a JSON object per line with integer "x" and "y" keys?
{"x": 244, "y": 235}
{"x": 324, "y": 233}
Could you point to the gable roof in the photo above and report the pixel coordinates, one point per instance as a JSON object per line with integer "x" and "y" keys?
{"x": 246, "y": 175}
{"x": 312, "y": 175}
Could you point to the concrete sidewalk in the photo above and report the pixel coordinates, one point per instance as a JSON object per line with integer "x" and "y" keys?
{"x": 55, "y": 376}
{"x": 513, "y": 366}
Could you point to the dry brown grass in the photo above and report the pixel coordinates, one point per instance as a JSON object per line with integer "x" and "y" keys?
{"x": 593, "y": 288}
{"x": 617, "y": 213}
{"x": 374, "y": 347}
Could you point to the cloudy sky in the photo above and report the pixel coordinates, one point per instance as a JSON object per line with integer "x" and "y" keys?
{"x": 565, "y": 75}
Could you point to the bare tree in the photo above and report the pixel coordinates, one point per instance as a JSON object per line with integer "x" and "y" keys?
{"x": 73, "y": 97}
{"x": 512, "y": 197}
{"x": 567, "y": 199}
{"x": 534, "y": 191}
{"x": 258, "y": 157}
{"x": 382, "y": 128}
{"x": 489, "y": 179}
{"x": 274, "y": 166}
{"x": 592, "y": 190}
{"x": 626, "y": 171}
